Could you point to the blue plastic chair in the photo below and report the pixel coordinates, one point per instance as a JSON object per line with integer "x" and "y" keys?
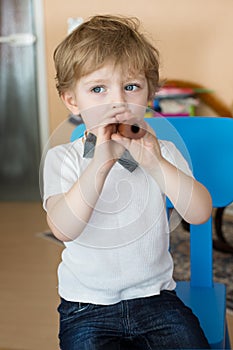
{"x": 78, "y": 132}
{"x": 207, "y": 144}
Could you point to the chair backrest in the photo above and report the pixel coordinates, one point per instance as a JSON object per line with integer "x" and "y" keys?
{"x": 78, "y": 132}
{"x": 207, "y": 144}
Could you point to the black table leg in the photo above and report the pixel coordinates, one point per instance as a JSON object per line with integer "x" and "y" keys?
{"x": 220, "y": 243}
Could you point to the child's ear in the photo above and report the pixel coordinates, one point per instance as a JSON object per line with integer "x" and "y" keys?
{"x": 68, "y": 97}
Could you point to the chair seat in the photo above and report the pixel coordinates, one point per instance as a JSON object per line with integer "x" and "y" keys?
{"x": 208, "y": 304}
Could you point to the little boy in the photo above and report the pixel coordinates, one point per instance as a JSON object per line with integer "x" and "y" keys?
{"x": 105, "y": 199}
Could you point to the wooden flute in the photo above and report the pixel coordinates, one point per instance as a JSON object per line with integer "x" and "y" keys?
{"x": 132, "y": 131}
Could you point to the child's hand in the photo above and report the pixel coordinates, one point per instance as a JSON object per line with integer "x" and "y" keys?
{"x": 146, "y": 151}
{"x": 107, "y": 150}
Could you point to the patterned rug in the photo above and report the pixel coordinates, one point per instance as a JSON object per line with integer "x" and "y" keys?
{"x": 222, "y": 262}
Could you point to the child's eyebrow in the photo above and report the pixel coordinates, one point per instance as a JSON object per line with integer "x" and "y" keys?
{"x": 135, "y": 77}
{"x": 96, "y": 81}
{"x": 127, "y": 79}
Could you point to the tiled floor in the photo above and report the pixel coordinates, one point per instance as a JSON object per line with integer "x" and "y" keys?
{"x": 28, "y": 294}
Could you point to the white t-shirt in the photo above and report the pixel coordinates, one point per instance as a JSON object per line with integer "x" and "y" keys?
{"x": 123, "y": 252}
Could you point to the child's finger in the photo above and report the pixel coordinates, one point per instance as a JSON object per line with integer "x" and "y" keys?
{"x": 150, "y": 130}
{"x": 120, "y": 139}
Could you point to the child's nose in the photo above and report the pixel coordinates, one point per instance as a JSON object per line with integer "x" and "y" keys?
{"x": 118, "y": 98}
{"x": 119, "y": 104}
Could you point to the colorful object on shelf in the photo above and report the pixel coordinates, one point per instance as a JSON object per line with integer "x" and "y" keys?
{"x": 175, "y": 101}
{"x": 174, "y": 92}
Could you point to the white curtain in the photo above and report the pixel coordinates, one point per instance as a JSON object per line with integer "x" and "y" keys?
{"x": 19, "y": 136}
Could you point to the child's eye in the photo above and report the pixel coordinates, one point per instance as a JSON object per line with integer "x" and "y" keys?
{"x": 98, "y": 89}
{"x": 131, "y": 87}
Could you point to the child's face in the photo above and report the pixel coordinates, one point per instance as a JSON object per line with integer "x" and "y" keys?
{"x": 98, "y": 92}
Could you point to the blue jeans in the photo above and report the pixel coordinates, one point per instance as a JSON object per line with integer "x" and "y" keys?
{"x": 157, "y": 322}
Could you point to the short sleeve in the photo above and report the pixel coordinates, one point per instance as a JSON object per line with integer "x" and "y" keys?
{"x": 60, "y": 171}
{"x": 174, "y": 156}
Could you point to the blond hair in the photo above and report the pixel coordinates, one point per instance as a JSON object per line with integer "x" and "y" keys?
{"x": 104, "y": 38}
